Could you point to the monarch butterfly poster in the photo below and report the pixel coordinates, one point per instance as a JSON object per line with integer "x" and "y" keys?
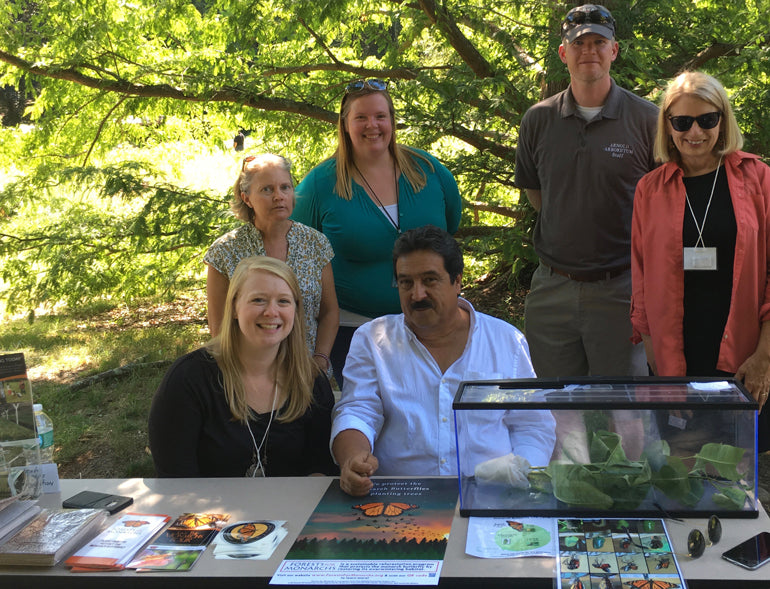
{"x": 617, "y": 553}
{"x": 398, "y": 534}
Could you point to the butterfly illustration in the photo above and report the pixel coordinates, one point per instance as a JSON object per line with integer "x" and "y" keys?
{"x": 192, "y": 521}
{"x": 380, "y": 508}
{"x": 629, "y": 565}
{"x": 605, "y": 583}
{"x": 650, "y": 584}
{"x": 135, "y": 523}
{"x": 656, "y": 542}
{"x": 515, "y": 525}
{"x": 248, "y": 532}
{"x": 572, "y": 562}
{"x": 663, "y": 563}
{"x": 605, "y": 566}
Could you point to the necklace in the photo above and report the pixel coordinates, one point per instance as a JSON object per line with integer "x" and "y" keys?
{"x": 394, "y": 222}
{"x": 700, "y": 227}
{"x": 257, "y": 467}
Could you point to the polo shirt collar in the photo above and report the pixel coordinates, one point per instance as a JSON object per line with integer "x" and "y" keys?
{"x": 610, "y": 110}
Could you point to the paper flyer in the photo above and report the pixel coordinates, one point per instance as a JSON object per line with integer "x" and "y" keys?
{"x": 598, "y": 553}
{"x": 396, "y": 535}
{"x": 493, "y": 537}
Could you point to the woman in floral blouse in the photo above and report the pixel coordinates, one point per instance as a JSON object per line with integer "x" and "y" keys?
{"x": 263, "y": 197}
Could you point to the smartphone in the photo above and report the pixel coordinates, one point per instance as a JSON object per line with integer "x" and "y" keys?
{"x": 752, "y": 553}
{"x": 96, "y": 500}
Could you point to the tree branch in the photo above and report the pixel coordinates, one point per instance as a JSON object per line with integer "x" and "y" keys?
{"x": 168, "y": 91}
{"x": 101, "y": 126}
{"x": 446, "y": 24}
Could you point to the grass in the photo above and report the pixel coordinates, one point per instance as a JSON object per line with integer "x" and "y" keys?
{"x": 100, "y": 428}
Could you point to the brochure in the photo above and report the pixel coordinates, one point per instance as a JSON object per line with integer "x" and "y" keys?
{"x": 181, "y": 544}
{"x": 115, "y": 546}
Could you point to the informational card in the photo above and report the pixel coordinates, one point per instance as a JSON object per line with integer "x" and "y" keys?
{"x": 633, "y": 553}
{"x": 493, "y": 537}
{"x": 397, "y": 535}
{"x": 252, "y": 539}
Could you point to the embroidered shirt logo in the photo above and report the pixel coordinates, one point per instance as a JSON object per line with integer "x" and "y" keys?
{"x": 619, "y": 150}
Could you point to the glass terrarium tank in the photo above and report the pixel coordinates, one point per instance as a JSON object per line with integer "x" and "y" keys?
{"x": 641, "y": 447}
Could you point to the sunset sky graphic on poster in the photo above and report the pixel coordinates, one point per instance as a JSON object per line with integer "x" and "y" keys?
{"x": 337, "y": 518}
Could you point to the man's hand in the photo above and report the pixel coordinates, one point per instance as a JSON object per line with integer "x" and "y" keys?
{"x": 355, "y": 473}
{"x": 354, "y": 455}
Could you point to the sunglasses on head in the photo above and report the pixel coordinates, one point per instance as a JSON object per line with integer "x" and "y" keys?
{"x": 359, "y": 85}
{"x": 706, "y": 121}
{"x": 246, "y": 160}
{"x": 597, "y": 16}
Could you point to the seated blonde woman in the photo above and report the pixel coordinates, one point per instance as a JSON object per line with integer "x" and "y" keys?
{"x": 251, "y": 402}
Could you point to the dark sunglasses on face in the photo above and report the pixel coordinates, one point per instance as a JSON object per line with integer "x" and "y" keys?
{"x": 595, "y": 16}
{"x": 358, "y": 85}
{"x": 706, "y": 121}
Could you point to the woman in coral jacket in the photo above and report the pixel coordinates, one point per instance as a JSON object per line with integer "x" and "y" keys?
{"x": 700, "y": 249}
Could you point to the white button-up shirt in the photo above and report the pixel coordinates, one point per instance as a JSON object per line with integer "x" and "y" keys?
{"x": 395, "y": 394}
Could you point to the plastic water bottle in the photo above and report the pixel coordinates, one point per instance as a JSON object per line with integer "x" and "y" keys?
{"x": 44, "y": 427}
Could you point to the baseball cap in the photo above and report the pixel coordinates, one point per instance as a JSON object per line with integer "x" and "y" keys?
{"x": 588, "y": 18}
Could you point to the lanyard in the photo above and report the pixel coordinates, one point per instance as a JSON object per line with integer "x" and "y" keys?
{"x": 395, "y": 222}
{"x": 708, "y": 205}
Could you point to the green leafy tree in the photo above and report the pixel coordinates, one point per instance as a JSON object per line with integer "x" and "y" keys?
{"x": 84, "y": 215}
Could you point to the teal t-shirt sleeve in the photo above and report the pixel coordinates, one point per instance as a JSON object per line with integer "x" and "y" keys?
{"x": 307, "y": 207}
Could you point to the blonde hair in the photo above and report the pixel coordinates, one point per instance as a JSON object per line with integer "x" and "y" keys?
{"x": 402, "y": 155}
{"x": 708, "y": 89}
{"x": 296, "y": 370}
{"x": 251, "y": 166}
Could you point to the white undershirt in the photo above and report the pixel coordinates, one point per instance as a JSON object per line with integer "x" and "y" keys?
{"x": 392, "y": 210}
{"x": 589, "y": 113}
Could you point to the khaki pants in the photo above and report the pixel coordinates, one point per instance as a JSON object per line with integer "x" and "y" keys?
{"x": 581, "y": 328}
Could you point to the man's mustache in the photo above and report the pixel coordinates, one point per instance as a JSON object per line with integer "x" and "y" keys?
{"x": 418, "y": 305}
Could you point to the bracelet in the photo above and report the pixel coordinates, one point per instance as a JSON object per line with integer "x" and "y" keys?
{"x": 324, "y": 356}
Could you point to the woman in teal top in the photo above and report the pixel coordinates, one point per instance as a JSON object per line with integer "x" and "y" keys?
{"x": 365, "y": 195}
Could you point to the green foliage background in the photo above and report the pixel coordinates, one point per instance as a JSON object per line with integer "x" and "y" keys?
{"x": 98, "y": 199}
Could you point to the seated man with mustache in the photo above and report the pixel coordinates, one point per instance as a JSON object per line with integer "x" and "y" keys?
{"x": 402, "y": 372}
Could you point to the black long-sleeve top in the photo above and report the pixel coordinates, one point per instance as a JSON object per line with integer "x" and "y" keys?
{"x": 193, "y": 433}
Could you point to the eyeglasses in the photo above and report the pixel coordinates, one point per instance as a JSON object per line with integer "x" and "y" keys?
{"x": 597, "y": 16}
{"x": 696, "y": 543}
{"x": 359, "y": 85}
{"x": 706, "y": 121}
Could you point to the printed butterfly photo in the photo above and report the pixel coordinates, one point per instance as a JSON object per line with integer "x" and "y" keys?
{"x": 199, "y": 521}
{"x": 650, "y": 584}
{"x": 378, "y": 508}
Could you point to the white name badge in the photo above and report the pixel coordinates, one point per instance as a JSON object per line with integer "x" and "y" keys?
{"x": 700, "y": 258}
